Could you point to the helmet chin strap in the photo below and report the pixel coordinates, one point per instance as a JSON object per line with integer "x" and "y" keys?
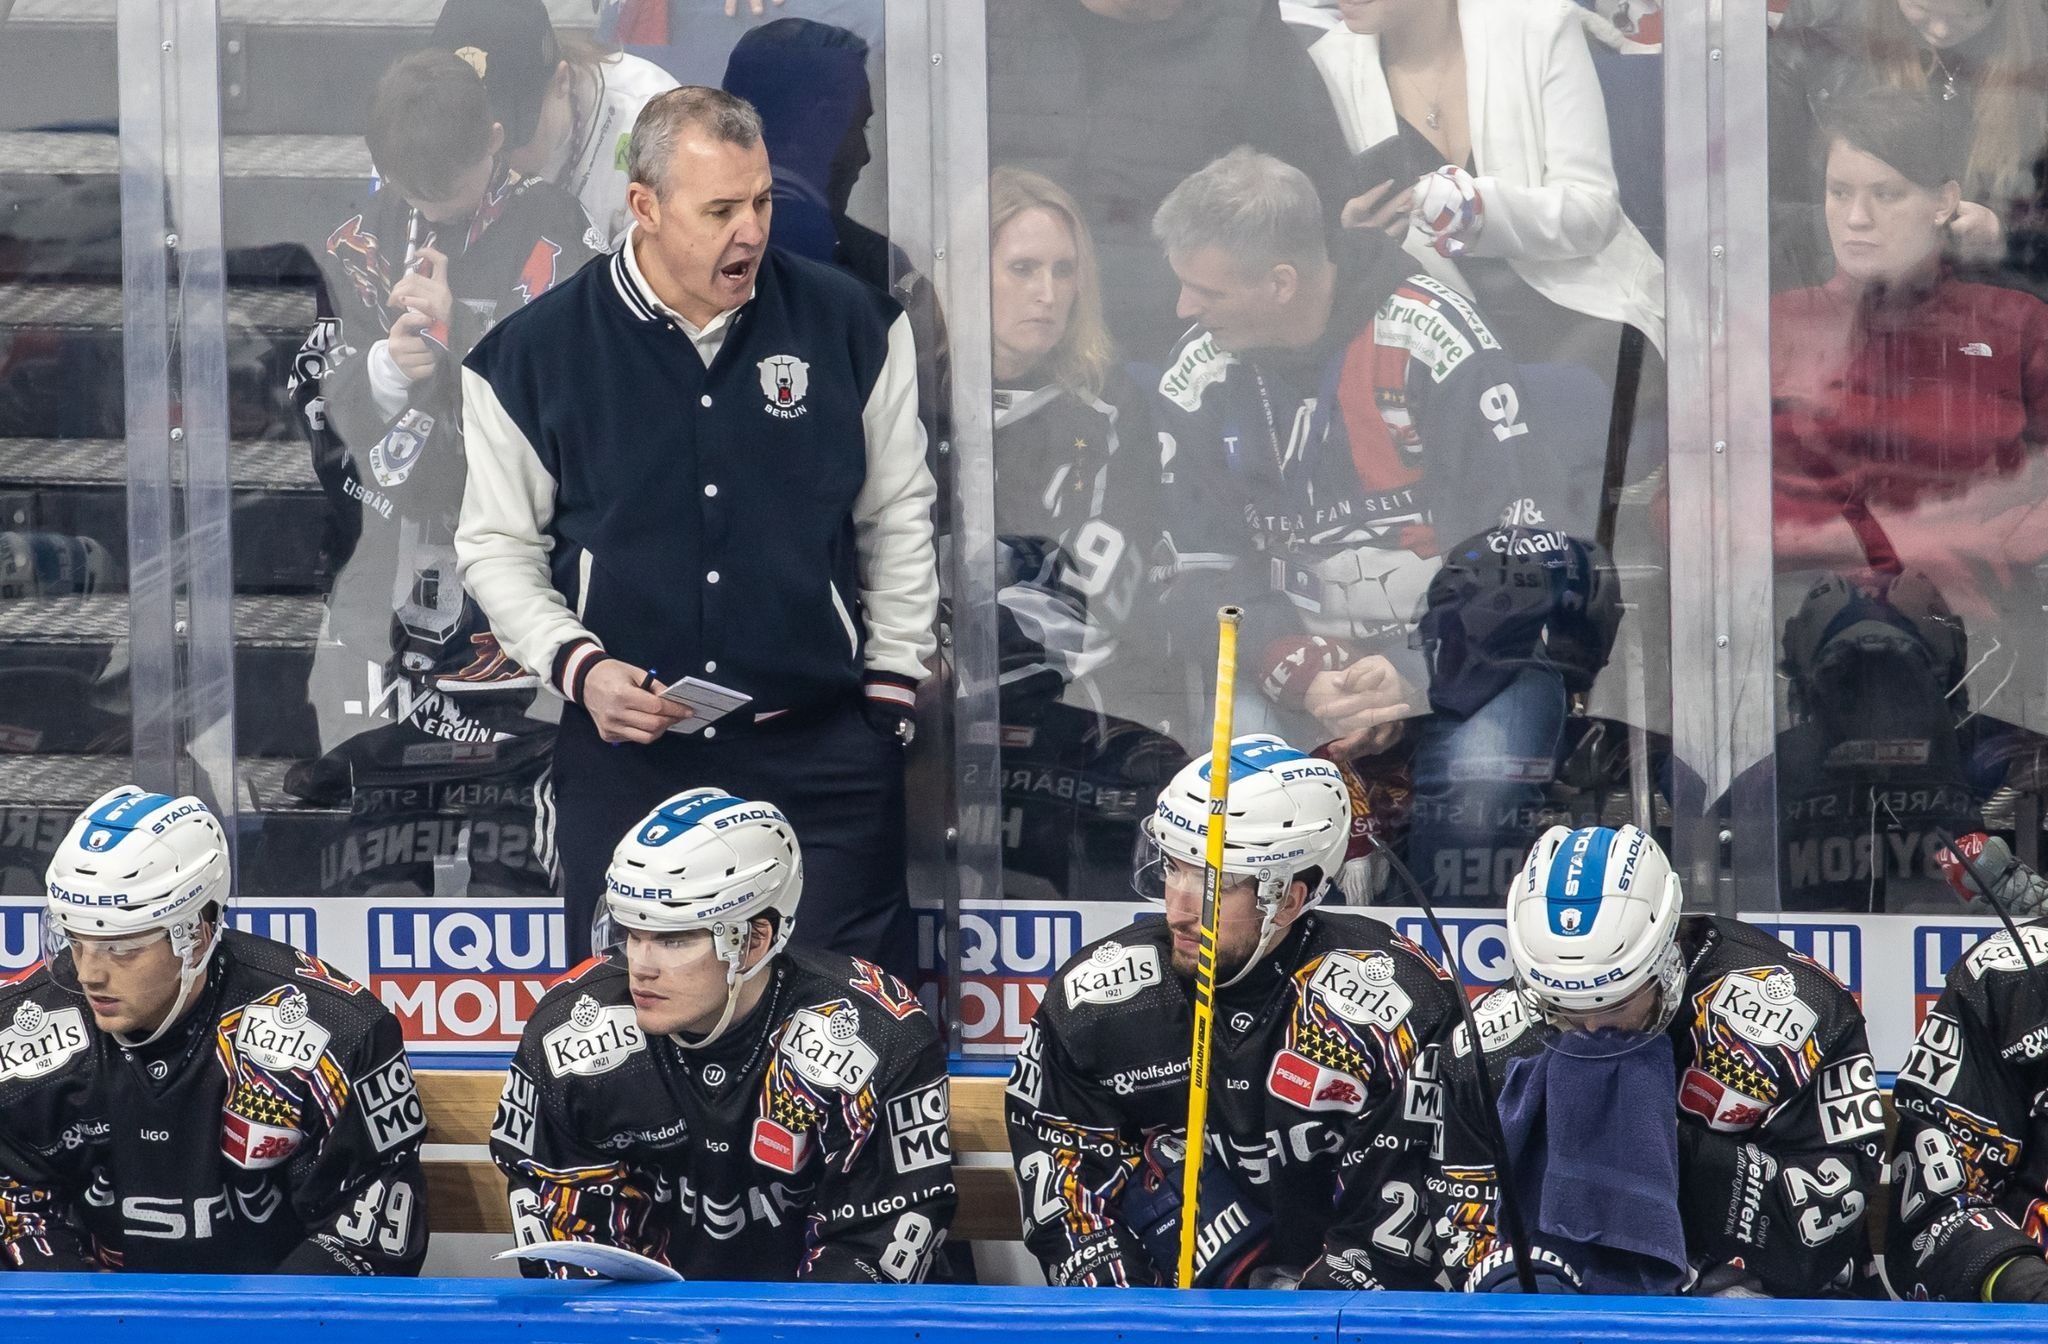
{"x": 191, "y": 978}
{"x": 735, "y": 980}
{"x": 1272, "y": 895}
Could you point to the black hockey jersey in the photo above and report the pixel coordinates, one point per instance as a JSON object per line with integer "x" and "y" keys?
{"x": 1970, "y": 1159}
{"x": 1316, "y": 1109}
{"x": 1076, "y": 529}
{"x": 810, "y": 1141}
{"x": 1085, "y": 687}
{"x": 276, "y": 1129}
{"x": 1779, "y": 1124}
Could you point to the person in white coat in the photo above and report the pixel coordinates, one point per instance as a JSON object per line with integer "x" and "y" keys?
{"x": 1487, "y": 120}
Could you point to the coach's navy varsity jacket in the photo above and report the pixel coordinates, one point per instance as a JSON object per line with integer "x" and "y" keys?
{"x": 764, "y": 523}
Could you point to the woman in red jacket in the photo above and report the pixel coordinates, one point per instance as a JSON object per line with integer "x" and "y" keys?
{"x": 1909, "y": 417}
{"x": 1909, "y": 407}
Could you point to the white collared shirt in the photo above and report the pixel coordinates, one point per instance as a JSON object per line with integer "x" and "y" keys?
{"x": 707, "y": 338}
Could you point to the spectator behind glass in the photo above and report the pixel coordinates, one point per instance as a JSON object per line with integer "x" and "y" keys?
{"x": 1083, "y": 694}
{"x": 809, "y": 83}
{"x": 567, "y": 105}
{"x": 1356, "y": 461}
{"x": 1118, "y": 100}
{"x": 451, "y": 242}
{"x": 1978, "y": 63}
{"x": 1909, "y": 406}
{"x": 1527, "y": 216}
{"x": 694, "y": 39}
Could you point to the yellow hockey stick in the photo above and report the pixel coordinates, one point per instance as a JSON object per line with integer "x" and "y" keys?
{"x": 1227, "y": 619}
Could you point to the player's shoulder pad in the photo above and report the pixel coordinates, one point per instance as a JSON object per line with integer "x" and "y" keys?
{"x": 1779, "y": 996}
{"x": 1115, "y": 973}
{"x": 1434, "y": 323}
{"x": 1506, "y": 1018}
{"x": 1197, "y": 365}
{"x": 823, "y": 292}
{"x": 45, "y": 1032}
{"x": 258, "y": 967}
{"x": 839, "y": 1036}
{"x": 1366, "y": 933}
{"x": 1999, "y": 957}
{"x": 1365, "y": 972}
{"x": 888, "y": 1011}
{"x": 585, "y": 1024}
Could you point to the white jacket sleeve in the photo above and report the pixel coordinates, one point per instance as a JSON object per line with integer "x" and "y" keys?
{"x": 892, "y": 517}
{"x": 1569, "y": 204}
{"x": 501, "y": 541}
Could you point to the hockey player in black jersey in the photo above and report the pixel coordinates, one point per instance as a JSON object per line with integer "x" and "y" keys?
{"x": 1320, "y": 1119}
{"x": 182, "y": 1098}
{"x": 702, "y": 1094}
{"x": 1969, "y": 1213}
{"x": 1622, "y": 1016}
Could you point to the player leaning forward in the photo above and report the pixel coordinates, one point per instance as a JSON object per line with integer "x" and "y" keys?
{"x": 1319, "y": 1123}
{"x": 701, "y": 1093}
{"x": 1625, "y": 1015}
{"x": 177, "y": 1096}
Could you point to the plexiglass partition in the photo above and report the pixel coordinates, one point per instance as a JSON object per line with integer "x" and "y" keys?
{"x": 1602, "y": 413}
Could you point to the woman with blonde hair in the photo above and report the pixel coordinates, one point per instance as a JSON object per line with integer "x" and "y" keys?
{"x": 1046, "y": 291}
{"x": 1077, "y": 480}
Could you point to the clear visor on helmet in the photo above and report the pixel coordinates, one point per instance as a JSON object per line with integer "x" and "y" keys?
{"x": 65, "y": 952}
{"x": 661, "y": 949}
{"x": 1154, "y": 871}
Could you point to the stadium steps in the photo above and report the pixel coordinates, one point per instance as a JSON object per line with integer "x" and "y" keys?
{"x": 296, "y": 79}
{"x": 64, "y": 661}
{"x": 60, "y": 359}
{"x": 61, "y": 189}
{"x": 78, "y": 487}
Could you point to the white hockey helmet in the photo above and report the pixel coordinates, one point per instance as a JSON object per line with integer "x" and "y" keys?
{"x": 133, "y": 864}
{"x": 1593, "y": 920}
{"x": 1288, "y": 812}
{"x": 705, "y": 860}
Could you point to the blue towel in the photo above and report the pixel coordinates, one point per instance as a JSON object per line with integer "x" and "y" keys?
{"x": 1592, "y": 1127}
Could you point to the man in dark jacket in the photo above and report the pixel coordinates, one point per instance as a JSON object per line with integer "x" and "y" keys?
{"x": 1333, "y": 428}
{"x": 702, "y": 459}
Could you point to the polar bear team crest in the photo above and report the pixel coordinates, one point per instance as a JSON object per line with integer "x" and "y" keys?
{"x": 784, "y": 380}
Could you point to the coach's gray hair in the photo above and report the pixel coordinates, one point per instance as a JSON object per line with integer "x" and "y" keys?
{"x": 1258, "y": 209}
{"x": 714, "y": 111}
